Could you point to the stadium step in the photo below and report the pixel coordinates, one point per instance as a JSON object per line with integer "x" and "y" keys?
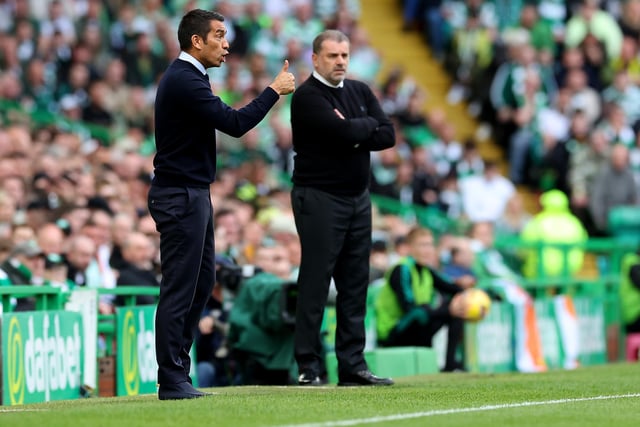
{"x": 393, "y": 362}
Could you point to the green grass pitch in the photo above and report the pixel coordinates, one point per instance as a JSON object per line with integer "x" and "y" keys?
{"x": 605, "y": 395}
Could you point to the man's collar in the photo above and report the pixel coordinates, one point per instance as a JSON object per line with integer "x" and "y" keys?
{"x": 326, "y": 82}
{"x": 189, "y": 58}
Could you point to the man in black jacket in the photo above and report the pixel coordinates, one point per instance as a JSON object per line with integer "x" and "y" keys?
{"x": 336, "y": 122}
{"x": 187, "y": 115}
{"x": 136, "y": 267}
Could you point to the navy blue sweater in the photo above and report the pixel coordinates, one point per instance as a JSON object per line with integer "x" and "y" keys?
{"x": 333, "y": 154}
{"x": 187, "y": 114}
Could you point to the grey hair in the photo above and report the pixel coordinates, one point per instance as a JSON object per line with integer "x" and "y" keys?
{"x": 334, "y": 35}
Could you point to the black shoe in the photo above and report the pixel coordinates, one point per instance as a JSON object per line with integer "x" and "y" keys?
{"x": 179, "y": 391}
{"x": 363, "y": 378}
{"x": 456, "y": 367}
{"x": 309, "y": 377}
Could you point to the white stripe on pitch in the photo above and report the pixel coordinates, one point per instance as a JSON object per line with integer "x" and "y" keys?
{"x": 435, "y": 412}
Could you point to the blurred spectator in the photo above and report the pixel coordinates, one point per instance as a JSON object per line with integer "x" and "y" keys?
{"x": 470, "y": 162}
{"x": 261, "y": 320}
{"x": 136, "y": 267}
{"x": 508, "y": 88}
{"x": 7, "y": 213}
{"x": 55, "y": 273}
{"x": 415, "y": 302}
{"x": 24, "y": 266}
{"x": 590, "y": 20}
{"x": 364, "y": 61}
{"x": 80, "y": 253}
{"x": 582, "y": 97}
{"x": 425, "y": 178}
{"x": 302, "y": 24}
{"x": 213, "y": 368}
{"x": 469, "y": 58}
{"x": 228, "y": 227}
{"x": 574, "y": 59}
{"x": 588, "y": 154}
{"x": 412, "y": 120}
{"x": 615, "y": 126}
{"x": 99, "y": 274}
{"x": 96, "y": 111}
{"x": 435, "y": 29}
{"x": 485, "y": 196}
{"x": 629, "y": 293}
{"x": 121, "y": 228}
{"x": 143, "y": 66}
{"x": 514, "y": 218}
{"x": 461, "y": 260}
{"x": 624, "y": 93}
{"x": 445, "y": 151}
{"x": 378, "y": 260}
{"x": 282, "y": 230}
{"x": 554, "y": 224}
{"x": 450, "y": 198}
{"x": 51, "y": 239}
{"x": 528, "y": 107}
{"x": 613, "y": 186}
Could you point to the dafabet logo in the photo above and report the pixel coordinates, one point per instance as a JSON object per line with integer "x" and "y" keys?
{"x": 42, "y": 356}
{"x": 137, "y": 352}
{"x": 15, "y": 367}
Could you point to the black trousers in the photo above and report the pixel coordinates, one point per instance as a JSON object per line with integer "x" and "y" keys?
{"x": 421, "y": 335}
{"x": 184, "y": 218}
{"x": 335, "y": 237}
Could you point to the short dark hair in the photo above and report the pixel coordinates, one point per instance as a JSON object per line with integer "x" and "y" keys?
{"x": 196, "y": 21}
{"x": 335, "y": 35}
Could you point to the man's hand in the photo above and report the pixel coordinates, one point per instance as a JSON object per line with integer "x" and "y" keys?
{"x": 458, "y": 306}
{"x": 284, "y": 82}
{"x": 206, "y": 325}
{"x": 465, "y": 282}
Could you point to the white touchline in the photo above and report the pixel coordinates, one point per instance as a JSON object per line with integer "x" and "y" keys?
{"x": 434, "y": 412}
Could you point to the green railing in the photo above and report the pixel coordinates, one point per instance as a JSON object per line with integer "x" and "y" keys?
{"x": 107, "y": 322}
{"x": 607, "y": 254}
{"x": 51, "y": 298}
{"x": 46, "y": 297}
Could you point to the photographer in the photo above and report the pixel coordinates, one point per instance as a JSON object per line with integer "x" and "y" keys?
{"x": 212, "y": 353}
{"x": 261, "y": 320}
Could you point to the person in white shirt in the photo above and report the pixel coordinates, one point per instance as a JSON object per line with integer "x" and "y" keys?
{"x": 485, "y": 196}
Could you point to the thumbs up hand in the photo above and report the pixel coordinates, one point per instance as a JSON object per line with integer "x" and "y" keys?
{"x": 284, "y": 83}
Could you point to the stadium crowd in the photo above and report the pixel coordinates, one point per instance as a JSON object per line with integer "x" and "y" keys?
{"x": 557, "y": 81}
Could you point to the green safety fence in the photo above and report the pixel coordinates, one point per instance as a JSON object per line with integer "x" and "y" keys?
{"x": 52, "y": 298}
{"x": 107, "y": 323}
{"x": 46, "y": 297}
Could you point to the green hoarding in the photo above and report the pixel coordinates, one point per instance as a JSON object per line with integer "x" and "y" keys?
{"x": 41, "y": 356}
{"x": 136, "y": 366}
{"x": 489, "y": 343}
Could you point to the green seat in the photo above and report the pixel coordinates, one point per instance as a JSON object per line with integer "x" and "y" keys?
{"x": 624, "y": 223}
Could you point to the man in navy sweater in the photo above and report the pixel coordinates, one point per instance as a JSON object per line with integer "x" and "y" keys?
{"x": 187, "y": 115}
{"x": 336, "y": 123}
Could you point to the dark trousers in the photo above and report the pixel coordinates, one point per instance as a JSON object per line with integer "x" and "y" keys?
{"x": 335, "y": 237}
{"x": 184, "y": 218}
{"x": 419, "y": 334}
